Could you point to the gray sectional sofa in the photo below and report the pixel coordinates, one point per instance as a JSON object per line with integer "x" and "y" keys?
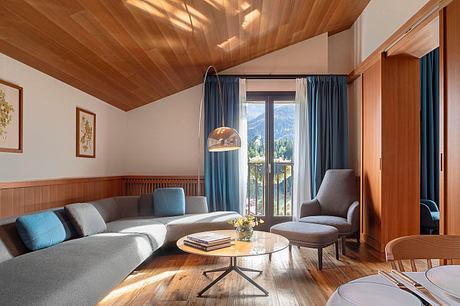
{"x": 81, "y": 271}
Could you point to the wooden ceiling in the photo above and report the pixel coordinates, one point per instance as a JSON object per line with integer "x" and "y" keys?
{"x": 132, "y": 52}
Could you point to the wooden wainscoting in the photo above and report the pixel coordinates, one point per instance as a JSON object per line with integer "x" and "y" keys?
{"x": 137, "y": 185}
{"x": 18, "y": 198}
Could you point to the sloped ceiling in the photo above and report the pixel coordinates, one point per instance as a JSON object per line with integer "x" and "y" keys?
{"x": 133, "y": 52}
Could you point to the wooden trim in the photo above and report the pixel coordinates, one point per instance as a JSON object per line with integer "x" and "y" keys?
{"x": 431, "y": 7}
{"x": 442, "y": 125}
{"x": 21, "y": 112}
{"x": 53, "y": 182}
{"x": 77, "y": 131}
{"x": 421, "y": 41}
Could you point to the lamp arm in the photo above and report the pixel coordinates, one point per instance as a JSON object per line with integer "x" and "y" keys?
{"x": 201, "y": 116}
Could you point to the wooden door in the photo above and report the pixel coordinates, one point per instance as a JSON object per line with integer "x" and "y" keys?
{"x": 400, "y": 177}
{"x": 370, "y": 150}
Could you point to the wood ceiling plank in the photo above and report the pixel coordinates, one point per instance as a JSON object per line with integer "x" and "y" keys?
{"x": 133, "y": 52}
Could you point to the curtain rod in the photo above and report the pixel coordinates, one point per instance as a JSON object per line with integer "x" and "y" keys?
{"x": 276, "y": 76}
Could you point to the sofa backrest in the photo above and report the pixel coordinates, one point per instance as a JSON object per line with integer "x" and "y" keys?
{"x": 117, "y": 207}
{"x": 110, "y": 209}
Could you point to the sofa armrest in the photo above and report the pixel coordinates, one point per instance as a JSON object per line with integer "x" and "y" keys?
{"x": 310, "y": 208}
{"x": 353, "y": 216}
{"x": 196, "y": 205}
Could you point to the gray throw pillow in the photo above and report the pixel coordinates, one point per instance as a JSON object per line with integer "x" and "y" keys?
{"x": 85, "y": 218}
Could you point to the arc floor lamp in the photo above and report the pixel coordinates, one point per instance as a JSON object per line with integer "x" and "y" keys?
{"x": 222, "y": 138}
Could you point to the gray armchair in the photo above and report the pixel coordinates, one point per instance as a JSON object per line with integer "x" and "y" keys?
{"x": 429, "y": 217}
{"x": 336, "y": 204}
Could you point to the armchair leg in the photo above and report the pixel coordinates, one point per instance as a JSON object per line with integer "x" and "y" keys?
{"x": 337, "y": 253}
{"x": 344, "y": 247}
{"x": 357, "y": 238}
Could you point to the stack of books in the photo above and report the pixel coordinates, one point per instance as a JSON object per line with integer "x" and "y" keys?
{"x": 208, "y": 241}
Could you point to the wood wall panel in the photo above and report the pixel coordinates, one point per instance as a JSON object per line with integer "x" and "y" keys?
{"x": 18, "y": 198}
{"x": 400, "y": 147}
{"x": 25, "y": 197}
{"x": 370, "y": 169}
{"x": 451, "y": 79}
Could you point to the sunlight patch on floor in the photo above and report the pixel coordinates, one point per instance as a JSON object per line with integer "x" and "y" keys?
{"x": 139, "y": 284}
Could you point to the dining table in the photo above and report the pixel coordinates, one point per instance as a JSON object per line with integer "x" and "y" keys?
{"x": 336, "y": 300}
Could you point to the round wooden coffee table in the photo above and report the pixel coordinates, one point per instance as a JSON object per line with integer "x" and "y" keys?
{"x": 262, "y": 243}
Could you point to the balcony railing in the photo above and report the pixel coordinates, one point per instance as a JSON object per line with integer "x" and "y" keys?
{"x": 282, "y": 188}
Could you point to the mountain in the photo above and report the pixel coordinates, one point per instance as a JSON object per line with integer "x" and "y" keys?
{"x": 284, "y": 123}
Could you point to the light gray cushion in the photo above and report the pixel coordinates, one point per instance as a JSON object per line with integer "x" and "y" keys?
{"x": 128, "y": 206}
{"x": 85, "y": 218}
{"x": 312, "y": 235}
{"x": 196, "y": 205}
{"x": 179, "y": 226}
{"x": 153, "y": 230}
{"x": 146, "y": 205}
{"x": 75, "y": 272}
{"x": 339, "y": 223}
{"x": 107, "y": 208}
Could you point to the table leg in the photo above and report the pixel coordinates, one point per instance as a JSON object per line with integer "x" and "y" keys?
{"x": 215, "y": 281}
{"x": 232, "y": 267}
{"x": 250, "y": 270}
{"x": 238, "y": 270}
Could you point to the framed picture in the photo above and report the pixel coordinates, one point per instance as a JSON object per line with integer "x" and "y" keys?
{"x": 10, "y": 117}
{"x": 86, "y": 133}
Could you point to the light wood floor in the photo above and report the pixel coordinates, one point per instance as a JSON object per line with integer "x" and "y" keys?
{"x": 174, "y": 278}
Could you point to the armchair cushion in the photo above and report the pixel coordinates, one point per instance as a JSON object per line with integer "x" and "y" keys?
{"x": 310, "y": 208}
{"x": 341, "y": 224}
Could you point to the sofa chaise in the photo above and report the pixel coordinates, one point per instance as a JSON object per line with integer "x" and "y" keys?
{"x": 81, "y": 271}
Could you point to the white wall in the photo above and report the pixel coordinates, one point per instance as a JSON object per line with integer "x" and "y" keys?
{"x": 381, "y": 18}
{"x": 165, "y": 132}
{"x": 165, "y": 135}
{"x": 340, "y": 52}
{"x": 49, "y": 129}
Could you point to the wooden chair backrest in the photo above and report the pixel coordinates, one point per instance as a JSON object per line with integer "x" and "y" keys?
{"x": 446, "y": 248}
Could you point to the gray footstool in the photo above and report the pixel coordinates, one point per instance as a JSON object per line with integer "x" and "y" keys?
{"x": 309, "y": 235}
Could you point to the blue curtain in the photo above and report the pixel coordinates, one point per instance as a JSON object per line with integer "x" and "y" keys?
{"x": 429, "y": 111}
{"x": 221, "y": 170}
{"x": 328, "y": 125}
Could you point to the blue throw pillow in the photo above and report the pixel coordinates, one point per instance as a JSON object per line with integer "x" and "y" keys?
{"x": 169, "y": 202}
{"x": 43, "y": 229}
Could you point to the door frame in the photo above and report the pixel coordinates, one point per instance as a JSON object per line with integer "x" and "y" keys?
{"x": 270, "y": 97}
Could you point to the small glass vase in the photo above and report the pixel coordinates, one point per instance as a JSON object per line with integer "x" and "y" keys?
{"x": 244, "y": 233}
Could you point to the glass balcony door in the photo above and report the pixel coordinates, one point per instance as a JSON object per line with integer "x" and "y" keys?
{"x": 271, "y": 119}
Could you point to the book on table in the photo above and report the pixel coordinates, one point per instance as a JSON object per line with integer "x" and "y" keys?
{"x": 208, "y": 239}
{"x": 207, "y": 248}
